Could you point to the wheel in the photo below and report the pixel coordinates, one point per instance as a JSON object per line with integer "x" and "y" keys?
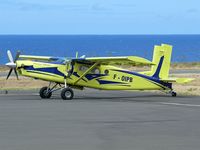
{"x": 67, "y": 94}
{"x": 44, "y": 93}
{"x": 173, "y": 94}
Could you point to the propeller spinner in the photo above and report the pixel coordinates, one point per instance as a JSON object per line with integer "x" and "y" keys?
{"x": 12, "y": 64}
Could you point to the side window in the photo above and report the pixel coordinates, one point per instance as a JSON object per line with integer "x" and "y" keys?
{"x": 83, "y": 68}
{"x": 106, "y": 72}
{"x": 96, "y": 71}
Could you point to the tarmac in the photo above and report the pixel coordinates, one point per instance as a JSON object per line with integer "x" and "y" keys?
{"x": 99, "y": 120}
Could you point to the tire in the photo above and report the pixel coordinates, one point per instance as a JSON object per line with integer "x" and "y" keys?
{"x": 67, "y": 94}
{"x": 44, "y": 94}
{"x": 173, "y": 94}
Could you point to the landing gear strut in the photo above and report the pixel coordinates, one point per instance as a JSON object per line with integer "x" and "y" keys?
{"x": 66, "y": 92}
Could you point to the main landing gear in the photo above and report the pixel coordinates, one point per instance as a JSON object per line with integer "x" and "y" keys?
{"x": 66, "y": 92}
{"x": 45, "y": 93}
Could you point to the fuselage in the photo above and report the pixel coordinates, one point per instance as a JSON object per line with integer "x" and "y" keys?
{"x": 105, "y": 77}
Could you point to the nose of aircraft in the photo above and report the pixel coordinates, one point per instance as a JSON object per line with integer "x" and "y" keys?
{"x": 12, "y": 64}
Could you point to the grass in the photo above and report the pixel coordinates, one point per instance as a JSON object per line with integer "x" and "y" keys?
{"x": 192, "y": 65}
{"x": 191, "y": 88}
{"x": 174, "y": 66}
{"x": 23, "y": 84}
{"x": 3, "y": 68}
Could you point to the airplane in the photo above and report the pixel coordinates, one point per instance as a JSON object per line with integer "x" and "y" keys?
{"x": 101, "y": 73}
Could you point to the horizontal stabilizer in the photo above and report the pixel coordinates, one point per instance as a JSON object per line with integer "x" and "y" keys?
{"x": 178, "y": 80}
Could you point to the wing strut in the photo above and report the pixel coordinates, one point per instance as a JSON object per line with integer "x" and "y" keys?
{"x": 88, "y": 70}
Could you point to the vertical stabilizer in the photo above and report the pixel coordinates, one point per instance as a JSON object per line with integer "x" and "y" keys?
{"x": 162, "y": 59}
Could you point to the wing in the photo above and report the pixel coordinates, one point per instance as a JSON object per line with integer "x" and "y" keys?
{"x": 57, "y": 60}
{"x": 32, "y": 57}
{"x": 115, "y": 60}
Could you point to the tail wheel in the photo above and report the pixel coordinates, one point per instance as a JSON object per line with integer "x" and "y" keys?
{"x": 173, "y": 94}
{"x": 67, "y": 94}
{"x": 44, "y": 93}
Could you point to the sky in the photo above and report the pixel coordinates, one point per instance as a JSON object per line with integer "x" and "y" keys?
{"x": 99, "y": 17}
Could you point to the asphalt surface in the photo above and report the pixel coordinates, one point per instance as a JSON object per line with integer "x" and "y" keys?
{"x": 99, "y": 120}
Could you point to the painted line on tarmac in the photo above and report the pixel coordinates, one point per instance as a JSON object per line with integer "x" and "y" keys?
{"x": 179, "y": 104}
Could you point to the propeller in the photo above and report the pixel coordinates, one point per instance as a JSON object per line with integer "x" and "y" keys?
{"x": 12, "y": 64}
{"x": 83, "y": 56}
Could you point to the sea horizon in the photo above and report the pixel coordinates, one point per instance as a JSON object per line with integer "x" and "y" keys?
{"x": 186, "y": 47}
{"x": 98, "y": 34}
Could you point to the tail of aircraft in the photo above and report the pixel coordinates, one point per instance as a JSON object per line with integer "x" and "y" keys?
{"x": 162, "y": 59}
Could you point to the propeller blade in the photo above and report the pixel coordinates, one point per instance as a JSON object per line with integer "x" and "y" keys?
{"x": 83, "y": 56}
{"x": 10, "y": 56}
{"x": 76, "y": 54}
{"x": 9, "y": 73}
{"x": 17, "y": 56}
{"x": 16, "y": 74}
{"x": 12, "y": 64}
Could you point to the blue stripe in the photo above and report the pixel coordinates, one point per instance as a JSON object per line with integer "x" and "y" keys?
{"x": 76, "y": 74}
{"x": 156, "y": 80}
{"x": 109, "y": 82}
{"x": 156, "y": 74}
{"x": 93, "y": 76}
{"x": 52, "y": 70}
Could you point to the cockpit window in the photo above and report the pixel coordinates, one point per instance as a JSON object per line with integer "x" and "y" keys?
{"x": 84, "y": 68}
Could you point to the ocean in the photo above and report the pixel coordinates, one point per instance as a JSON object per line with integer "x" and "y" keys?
{"x": 186, "y": 48}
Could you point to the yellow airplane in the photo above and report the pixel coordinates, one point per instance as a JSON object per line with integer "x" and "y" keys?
{"x": 96, "y": 72}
